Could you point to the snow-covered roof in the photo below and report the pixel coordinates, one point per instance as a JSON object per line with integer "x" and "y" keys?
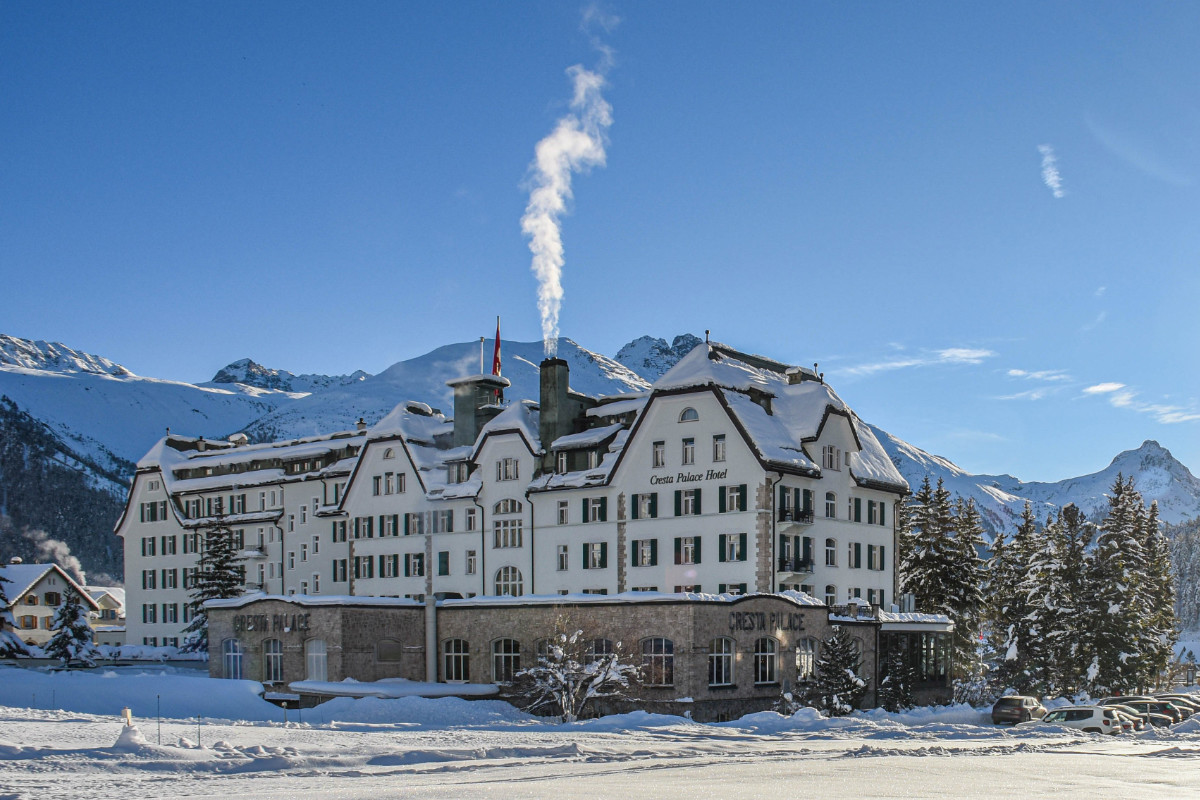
{"x": 23, "y": 577}
{"x": 799, "y": 598}
{"x": 521, "y": 416}
{"x": 911, "y": 620}
{"x": 634, "y": 404}
{"x": 117, "y": 593}
{"x": 797, "y": 408}
{"x": 312, "y": 600}
{"x": 588, "y": 438}
{"x": 393, "y": 688}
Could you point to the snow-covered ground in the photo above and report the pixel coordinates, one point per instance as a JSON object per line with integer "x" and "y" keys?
{"x": 61, "y": 736}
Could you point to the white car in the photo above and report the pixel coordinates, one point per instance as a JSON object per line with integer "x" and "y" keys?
{"x": 1093, "y": 719}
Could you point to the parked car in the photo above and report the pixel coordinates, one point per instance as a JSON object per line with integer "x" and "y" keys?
{"x": 1151, "y": 712}
{"x": 1093, "y": 719}
{"x": 1186, "y": 700}
{"x": 1017, "y": 708}
{"x": 1185, "y": 709}
{"x": 1140, "y": 721}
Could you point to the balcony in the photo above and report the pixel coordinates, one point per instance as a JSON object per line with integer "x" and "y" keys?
{"x": 798, "y": 566}
{"x": 800, "y": 516}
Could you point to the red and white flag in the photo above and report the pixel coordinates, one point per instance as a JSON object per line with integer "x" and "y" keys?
{"x": 496, "y": 354}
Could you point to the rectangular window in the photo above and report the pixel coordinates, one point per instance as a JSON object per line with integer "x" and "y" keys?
{"x": 731, "y": 588}
{"x": 149, "y": 579}
{"x": 659, "y": 455}
{"x": 645, "y": 552}
{"x": 506, "y": 532}
{"x": 687, "y": 550}
{"x": 858, "y": 509}
{"x": 457, "y": 472}
{"x": 595, "y": 509}
{"x": 443, "y": 562}
{"x": 830, "y": 457}
{"x": 291, "y": 559}
{"x": 595, "y": 555}
{"x": 871, "y": 515}
{"x": 687, "y": 502}
{"x": 338, "y": 531}
{"x": 316, "y": 583}
{"x": 688, "y": 587}
{"x": 732, "y": 498}
{"x": 732, "y": 547}
{"x": 375, "y": 484}
{"x": 507, "y": 469}
{"x": 414, "y": 524}
{"x": 472, "y": 518}
{"x": 168, "y": 545}
{"x": 563, "y": 512}
{"x": 389, "y": 483}
{"x": 316, "y": 545}
{"x": 689, "y": 451}
{"x": 563, "y": 558}
{"x": 340, "y": 573}
{"x": 414, "y": 565}
{"x": 471, "y": 561}
{"x": 149, "y": 546}
{"x": 402, "y": 483}
{"x": 170, "y": 612}
{"x": 170, "y": 578}
{"x": 719, "y": 447}
{"x": 304, "y": 552}
{"x": 560, "y": 462}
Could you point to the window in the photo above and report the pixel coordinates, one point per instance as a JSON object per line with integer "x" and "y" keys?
{"x": 414, "y": 565}
{"x": 687, "y": 502}
{"x": 389, "y": 651}
{"x": 231, "y": 659}
{"x": 389, "y": 454}
{"x": 597, "y": 649}
{"x": 168, "y": 545}
{"x": 830, "y": 505}
{"x": 507, "y": 507}
{"x": 316, "y": 583}
{"x": 506, "y": 660}
{"x": 272, "y": 661}
{"x": 658, "y": 662}
{"x": 170, "y": 612}
{"x": 563, "y": 512}
{"x": 149, "y": 546}
{"x": 645, "y": 552}
{"x": 458, "y": 472}
{"x": 831, "y": 552}
{"x": 688, "y": 587}
{"x": 719, "y": 447}
{"x": 593, "y": 459}
{"x": 506, "y": 532}
{"x": 595, "y": 509}
{"x": 872, "y": 516}
{"x": 375, "y": 483}
{"x": 687, "y": 550}
{"x": 149, "y": 579}
{"x": 854, "y": 555}
{"x": 364, "y": 567}
{"x": 595, "y": 555}
{"x": 830, "y": 595}
{"x": 472, "y": 518}
{"x": 731, "y": 588}
{"x": 854, "y": 509}
{"x": 659, "y": 455}
{"x": 443, "y": 562}
{"x": 560, "y": 462}
{"x": 689, "y": 451}
{"x": 731, "y": 498}
{"x": 831, "y": 457}
{"x": 456, "y": 661}
{"x": 340, "y": 570}
{"x": 720, "y": 662}
{"x": 688, "y": 415}
{"x": 563, "y": 558}
{"x": 645, "y": 506}
{"x": 506, "y": 469}
{"x": 304, "y": 552}
{"x": 316, "y": 660}
{"x": 291, "y": 559}
{"x": 644, "y": 589}
{"x": 509, "y": 582}
{"x": 806, "y": 659}
{"x": 765, "y": 652}
{"x": 732, "y": 547}
{"x": 471, "y": 560}
{"x": 54, "y": 598}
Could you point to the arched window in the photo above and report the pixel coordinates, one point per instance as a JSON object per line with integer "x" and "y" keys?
{"x": 316, "y": 660}
{"x": 831, "y": 552}
{"x": 765, "y": 652}
{"x": 806, "y": 659}
{"x": 456, "y": 661}
{"x": 272, "y": 661}
{"x": 688, "y": 415}
{"x": 658, "y": 662}
{"x": 507, "y": 507}
{"x": 508, "y": 581}
{"x": 830, "y": 595}
{"x": 720, "y": 662}
{"x": 506, "y": 660}
{"x": 598, "y": 648}
{"x": 389, "y": 453}
{"x": 830, "y": 505}
{"x": 231, "y": 659}
{"x": 388, "y": 651}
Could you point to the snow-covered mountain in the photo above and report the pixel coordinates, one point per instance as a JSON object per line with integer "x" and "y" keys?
{"x": 650, "y": 357}
{"x": 54, "y": 357}
{"x": 250, "y": 373}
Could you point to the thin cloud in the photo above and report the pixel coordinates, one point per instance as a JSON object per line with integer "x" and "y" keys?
{"x": 1103, "y": 315}
{"x": 1104, "y": 388}
{"x": 964, "y": 355}
{"x": 1139, "y": 154}
{"x": 1100, "y": 290}
{"x": 950, "y": 355}
{"x": 1040, "y": 375}
{"x": 1028, "y": 394}
{"x": 1121, "y": 396}
{"x": 1050, "y": 175}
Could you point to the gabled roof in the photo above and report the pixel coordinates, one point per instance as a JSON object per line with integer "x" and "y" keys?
{"x": 23, "y": 577}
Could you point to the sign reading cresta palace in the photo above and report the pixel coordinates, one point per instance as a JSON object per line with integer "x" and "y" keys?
{"x": 764, "y": 621}
{"x": 275, "y": 623}
{"x": 689, "y": 477}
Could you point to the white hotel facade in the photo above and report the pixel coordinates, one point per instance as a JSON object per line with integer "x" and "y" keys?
{"x": 733, "y": 474}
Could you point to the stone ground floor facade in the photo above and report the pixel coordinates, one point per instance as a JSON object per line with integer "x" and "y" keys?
{"x": 713, "y": 657}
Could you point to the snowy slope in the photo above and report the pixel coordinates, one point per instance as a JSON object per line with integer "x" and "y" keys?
{"x": 54, "y": 356}
{"x": 424, "y": 378}
{"x": 250, "y": 373}
{"x": 1000, "y": 498}
{"x": 650, "y": 358}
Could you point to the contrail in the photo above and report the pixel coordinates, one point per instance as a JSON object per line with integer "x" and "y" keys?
{"x": 1050, "y": 175}
{"x": 576, "y": 145}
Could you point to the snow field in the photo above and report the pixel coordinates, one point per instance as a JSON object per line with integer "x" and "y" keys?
{"x": 414, "y": 747}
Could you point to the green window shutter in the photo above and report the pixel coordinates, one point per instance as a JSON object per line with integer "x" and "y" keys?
{"x": 808, "y": 548}
{"x": 604, "y": 555}
{"x": 584, "y": 518}
{"x": 741, "y": 497}
{"x": 636, "y": 555}
{"x": 678, "y": 505}
{"x": 356, "y": 527}
{"x": 333, "y": 531}
{"x": 604, "y": 509}
{"x": 406, "y": 530}
{"x": 721, "y": 501}
{"x": 806, "y": 504}
{"x": 741, "y": 547}
{"x": 357, "y": 570}
{"x": 882, "y": 559}
{"x": 444, "y": 563}
{"x": 697, "y": 549}
{"x": 654, "y": 505}
{"x": 382, "y": 527}
{"x": 858, "y": 509}
{"x": 678, "y": 548}
{"x": 882, "y": 516}
{"x": 720, "y": 588}
{"x": 654, "y": 552}
{"x": 858, "y": 555}
{"x": 636, "y": 502}
{"x": 696, "y": 509}
{"x": 586, "y": 547}
{"x": 721, "y": 547}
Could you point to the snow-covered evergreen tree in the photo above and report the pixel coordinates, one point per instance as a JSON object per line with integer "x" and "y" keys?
{"x": 1161, "y": 629}
{"x": 838, "y": 685}
{"x": 1010, "y": 645}
{"x": 10, "y": 644}
{"x": 895, "y": 688}
{"x": 219, "y": 575}
{"x": 572, "y": 673}
{"x": 1184, "y": 543}
{"x": 966, "y": 584}
{"x": 72, "y": 639}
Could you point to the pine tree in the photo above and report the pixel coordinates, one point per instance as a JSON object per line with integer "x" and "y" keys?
{"x": 1042, "y": 603}
{"x": 895, "y": 688}
{"x": 1007, "y": 608}
{"x": 839, "y": 687}
{"x": 72, "y": 639}
{"x": 219, "y": 576}
{"x": 1161, "y": 626}
{"x": 10, "y": 645}
{"x": 966, "y": 584}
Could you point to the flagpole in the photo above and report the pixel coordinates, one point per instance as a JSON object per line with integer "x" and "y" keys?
{"x": 481, "y": 338}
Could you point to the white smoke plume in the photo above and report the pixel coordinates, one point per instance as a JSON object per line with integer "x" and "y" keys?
{"x": 576, "y": 145}
{"x": 56, "y": 551}
{"x": 1050, "y": 175}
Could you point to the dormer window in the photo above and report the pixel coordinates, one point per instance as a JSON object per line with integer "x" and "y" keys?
{"x": 458, "y": 472}
{"x": 560, "y": 462}
{"x": 831, "y": 457}
{"x": 389, "y": 453}
{"x": 592, "y": 459}
{"x": 689, "y": 415}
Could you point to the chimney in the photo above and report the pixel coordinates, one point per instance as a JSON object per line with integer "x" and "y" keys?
{"x": 554, "y": 412}
{"x": 201, "y": 445}
{"x": 477, "y": 399}
{"x": 361, "y": 425}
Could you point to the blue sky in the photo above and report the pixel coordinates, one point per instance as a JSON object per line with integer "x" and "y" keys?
{"x": 979, "y": 220}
